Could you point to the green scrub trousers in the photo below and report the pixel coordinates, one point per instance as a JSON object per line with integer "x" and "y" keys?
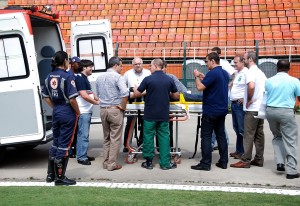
{"x": 161, "y": 129}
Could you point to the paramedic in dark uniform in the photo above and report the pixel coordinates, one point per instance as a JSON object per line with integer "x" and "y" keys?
{"x": 60, "y": 94}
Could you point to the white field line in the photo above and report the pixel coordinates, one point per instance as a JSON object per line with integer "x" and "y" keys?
{"x": 162, "y": 186}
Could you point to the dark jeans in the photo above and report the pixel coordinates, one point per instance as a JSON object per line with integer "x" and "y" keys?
{"x": 238, "y": 115}
{"x": 208, "y": 125}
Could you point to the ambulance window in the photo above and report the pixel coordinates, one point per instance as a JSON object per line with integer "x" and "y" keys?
{"x": 12, "y": 64}
{"x": 94, "y": 49}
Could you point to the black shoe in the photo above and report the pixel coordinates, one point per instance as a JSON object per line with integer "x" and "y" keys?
{"x": 91, "y": 158}
{"x": 199, "y": 167}
{"x": 218, "y": 164}
{"x": 171, "y": 166}
{"x": 50, "y": 172}
{"x": 65, "y": 181}
{"x": 72, "y": 156}
{"x": 293, "y": 176}
{"x": 147, "y": 165}
{"x": 216, "y": 148}
{"x": 280, "y": 167}
{"x": 125, "y": 149}
{"x": 84, "y": 162}
{"x": 50, "y": 177}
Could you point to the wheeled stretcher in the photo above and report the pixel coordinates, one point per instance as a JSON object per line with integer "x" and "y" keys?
{"x": 179, "y": 111}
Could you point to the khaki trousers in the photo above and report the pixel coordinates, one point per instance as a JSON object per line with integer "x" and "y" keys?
{"x": 253, "y": 133}
{"x": 112, "y": 123}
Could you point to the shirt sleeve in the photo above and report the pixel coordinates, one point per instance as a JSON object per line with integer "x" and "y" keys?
{"x": 143, "y": 85}
{"x": 45, "y": 92}
{"x": 71, "y": 90}
{"x": 227, "y": 67}
{"x": 122, "y": 87}
{"x": 173, "y": 86}
{"x": 250, "y": 77}
{"x": 80, "y": 83}
{"x": 208, "y": 80}
{"x": 297, "y": 87}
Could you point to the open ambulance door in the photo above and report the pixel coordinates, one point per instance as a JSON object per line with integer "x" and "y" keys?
{"x": 21, "y": 119}
{"x": 93, "y": 40}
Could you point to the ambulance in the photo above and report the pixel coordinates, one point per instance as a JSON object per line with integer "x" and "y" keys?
{"x": 29, "y": 37}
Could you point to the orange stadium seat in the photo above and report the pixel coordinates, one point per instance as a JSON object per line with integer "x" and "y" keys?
{"x": 197, "y": 22}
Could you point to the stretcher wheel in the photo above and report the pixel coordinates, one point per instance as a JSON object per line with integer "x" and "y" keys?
{"x": 131, "y": 158}
{"x": 176, "y": 159}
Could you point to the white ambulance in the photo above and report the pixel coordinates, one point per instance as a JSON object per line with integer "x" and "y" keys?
{"x": 28, "y": 40}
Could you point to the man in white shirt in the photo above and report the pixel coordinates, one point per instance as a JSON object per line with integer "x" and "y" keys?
{"x": 224, "y": 63}
{"x": 237, "y": 98}
{"x": 133, "y": 78}
{"x": 253, "y": 127}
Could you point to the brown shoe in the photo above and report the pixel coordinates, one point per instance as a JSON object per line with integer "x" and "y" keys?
{"x": 257, "y": 163}
{"x": 237, "y": 156}
{"x": 117, "y": 167}
{"x": 232, "y": 154}
{"x": 241, "y": 164}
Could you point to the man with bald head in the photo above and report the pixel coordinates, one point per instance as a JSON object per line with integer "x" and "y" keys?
{"x": 282, "y": 91}
{"x": 134, "y": 77}
{"x": 160, "y": 87}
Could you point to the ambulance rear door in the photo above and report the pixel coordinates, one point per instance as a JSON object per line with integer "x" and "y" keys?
{"x": 93, "y": 40}
{"x": 21, "y": 119}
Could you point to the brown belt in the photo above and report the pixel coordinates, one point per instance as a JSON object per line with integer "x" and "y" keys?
{"x": 110, "y": 107}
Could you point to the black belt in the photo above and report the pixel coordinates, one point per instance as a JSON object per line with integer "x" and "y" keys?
{"x": 236, "y": 101}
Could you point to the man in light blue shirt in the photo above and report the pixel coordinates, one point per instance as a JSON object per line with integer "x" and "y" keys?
{"x": 113, "y": 94}
{"x": 282, "y": 91}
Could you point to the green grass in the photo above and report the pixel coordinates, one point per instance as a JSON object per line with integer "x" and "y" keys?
{"x": 83, "y": 196}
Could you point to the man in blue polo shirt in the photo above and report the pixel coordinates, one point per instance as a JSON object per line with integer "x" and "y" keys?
{"x": 282, "y": 91}
{"x": 159, "y": 88}
{"x": 215, "y": 108}
{"x": 86, "y": 99}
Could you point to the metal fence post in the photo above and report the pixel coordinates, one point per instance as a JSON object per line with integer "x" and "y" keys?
{"x": 256, "y": 51}
{"x": 117, "y": 49}
{"x": 184, "y": 64}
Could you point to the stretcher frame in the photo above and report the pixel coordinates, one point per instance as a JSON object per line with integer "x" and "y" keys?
{"x": 178, "y": 112}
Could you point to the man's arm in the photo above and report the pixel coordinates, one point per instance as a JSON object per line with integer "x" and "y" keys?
{"x": 136, "y": 92}
{"x": 86, "y": 97}
{"x": 49, "y": 102}
{"x": 175, "y": 95}
{"x": 231, "y": 80}
{"x": 199, "y": 84}
{"x": 124, "y": 103}
{"x": 74, "y": 105}
{"x": 250, "y": 92}
{"x": 198, "y": 77}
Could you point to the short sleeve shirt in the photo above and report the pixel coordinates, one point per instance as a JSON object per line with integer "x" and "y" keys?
{"x": 256, "y": 76}
{"x": 215, "y": 95}
{"x": 111, "y": 88}
{"x": 282, "y": 90}
{"x": 82, "y": 83}
{"x": 157, "y": 101}
{"x": 60, "y": 87}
